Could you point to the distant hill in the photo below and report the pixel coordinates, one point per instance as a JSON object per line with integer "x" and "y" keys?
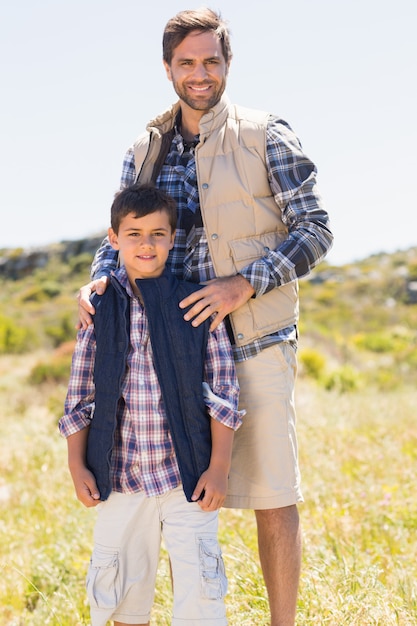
{"x": 16, "y": 263}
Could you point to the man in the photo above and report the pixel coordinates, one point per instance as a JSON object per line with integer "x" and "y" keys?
{"x": 250, "y": 223}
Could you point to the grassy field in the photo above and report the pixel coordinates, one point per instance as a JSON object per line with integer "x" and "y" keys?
{"x": 358, "y": 457}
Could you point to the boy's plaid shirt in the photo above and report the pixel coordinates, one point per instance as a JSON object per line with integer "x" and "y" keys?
{"x": 143, "y": 456}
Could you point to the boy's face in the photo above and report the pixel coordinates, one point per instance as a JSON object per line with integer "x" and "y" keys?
{"x": 144, "y": 244}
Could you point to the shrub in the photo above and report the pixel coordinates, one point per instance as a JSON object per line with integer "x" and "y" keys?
{"x": 62, "y": 331}
{"x": 343, "y": 380}
{"x": 313, "y": 363}
{"x": 42, "y": 292}
{"x": 13, "y": 338}
{"x": 81, "y": 263}
{"x": 381, "y": 342}
{"x": 56, "y": 370}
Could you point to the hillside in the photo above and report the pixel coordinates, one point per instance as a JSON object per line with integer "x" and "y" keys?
{"x": 358, "y": 322}
{"x": 356, "y": 399}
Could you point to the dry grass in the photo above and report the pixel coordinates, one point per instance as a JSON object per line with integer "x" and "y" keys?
{"x": 358, "y": 455}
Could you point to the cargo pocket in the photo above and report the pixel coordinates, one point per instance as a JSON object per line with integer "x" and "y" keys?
{"x": 212, "y": 572}
{"x": 103, "y": 581}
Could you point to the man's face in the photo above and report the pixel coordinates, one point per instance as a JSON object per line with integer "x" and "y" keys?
{"x": 198, "y": 71}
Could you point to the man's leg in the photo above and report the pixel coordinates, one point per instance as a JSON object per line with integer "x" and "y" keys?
{"x": 265, "y": 476}
{"x": 279, "y": 541}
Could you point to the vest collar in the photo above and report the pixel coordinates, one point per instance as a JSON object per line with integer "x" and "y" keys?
{"x": 164, "y": 284}
{"x": 213, "y": 119}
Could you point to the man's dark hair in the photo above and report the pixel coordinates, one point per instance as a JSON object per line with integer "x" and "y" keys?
{"x": 185, "y": 22}
{"x": 142, "y": 200}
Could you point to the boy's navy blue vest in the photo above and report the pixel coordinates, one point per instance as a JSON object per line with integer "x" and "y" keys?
{"x": 179, "y": 354}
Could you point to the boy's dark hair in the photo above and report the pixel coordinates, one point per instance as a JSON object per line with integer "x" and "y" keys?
{"x": 203, "y": 20}
{"x": 142, "y": 200}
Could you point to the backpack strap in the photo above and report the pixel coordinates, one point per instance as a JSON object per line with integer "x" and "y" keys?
{"x": 142, "y": 163}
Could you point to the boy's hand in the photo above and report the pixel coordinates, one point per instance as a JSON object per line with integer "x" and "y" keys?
{"x": 85, "y": 487}
{"x": 214, "y": 484}
{"x": 85, "y": 308}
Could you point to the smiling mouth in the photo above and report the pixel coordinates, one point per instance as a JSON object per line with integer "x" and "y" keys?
{"x": 200, "y": 89}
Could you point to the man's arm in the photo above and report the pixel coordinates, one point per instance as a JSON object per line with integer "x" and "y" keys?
{"x": 292, "y": 177}
{"x": 293, "y": 182}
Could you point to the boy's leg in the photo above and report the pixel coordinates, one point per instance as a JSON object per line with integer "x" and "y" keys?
{"x": 199, "y": 579}
{"x": 122, "y": 572}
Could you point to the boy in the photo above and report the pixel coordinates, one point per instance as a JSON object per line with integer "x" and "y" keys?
{"x": 149, "y": 419}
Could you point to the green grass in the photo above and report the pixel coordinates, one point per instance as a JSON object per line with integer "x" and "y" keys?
{"x": 358, "y": 456}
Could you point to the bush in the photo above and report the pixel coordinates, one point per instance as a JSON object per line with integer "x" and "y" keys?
{"x": 63, "y": 331}
{"x": 56, "y": 370}
{"x": 81, "y": 263}
{"x": 313, "y": 363}
{"x": 13, "y": 338}
{"x": 343, "y": 380}
{"x": 381, "y": 342}
{"x": 42, "y": 292}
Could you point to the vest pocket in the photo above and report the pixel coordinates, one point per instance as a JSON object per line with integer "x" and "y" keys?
{"x": 103, "y": 581}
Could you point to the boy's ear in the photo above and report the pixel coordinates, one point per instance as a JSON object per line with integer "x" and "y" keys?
{"x": 172, "y": 239}
{"x": 113, "y": 239}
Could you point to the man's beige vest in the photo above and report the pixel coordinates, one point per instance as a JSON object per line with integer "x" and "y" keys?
{"x": 241, "y": 218}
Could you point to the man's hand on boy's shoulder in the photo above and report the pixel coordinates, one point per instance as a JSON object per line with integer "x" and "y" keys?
{"x": 217, "y": 298}
{"x": 85, "y": 308}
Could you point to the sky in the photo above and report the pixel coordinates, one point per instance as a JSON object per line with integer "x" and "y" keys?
{"x": 80, "y": 79}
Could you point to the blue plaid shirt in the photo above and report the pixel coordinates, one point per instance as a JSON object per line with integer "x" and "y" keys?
{"x": 309, "y": 237}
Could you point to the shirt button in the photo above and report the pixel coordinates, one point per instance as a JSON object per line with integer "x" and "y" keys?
{"x": 204, "y": 185}
{"x": 240, "y": 335}
{"x": 214, "y": 236}
{"x": 266, "y": 250}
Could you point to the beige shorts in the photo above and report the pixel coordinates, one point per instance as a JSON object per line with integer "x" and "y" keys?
{"x": 265, "y": 473}
{"x": 122, "y": 573}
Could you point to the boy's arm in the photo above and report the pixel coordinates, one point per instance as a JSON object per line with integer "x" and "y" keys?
{"x": 221, "y": 395}
{"x": 84, "y": 481}
{"x": 212, "y": 484}
{"x": 74, "y": 425}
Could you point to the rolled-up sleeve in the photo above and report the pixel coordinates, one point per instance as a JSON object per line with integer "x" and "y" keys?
{"x": 79, "y": 401}
{"x": 221, "y": 388}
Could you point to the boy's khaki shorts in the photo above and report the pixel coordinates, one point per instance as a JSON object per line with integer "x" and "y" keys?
{"x": 265, "y": 473}
{"x": 123, "y": 568}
